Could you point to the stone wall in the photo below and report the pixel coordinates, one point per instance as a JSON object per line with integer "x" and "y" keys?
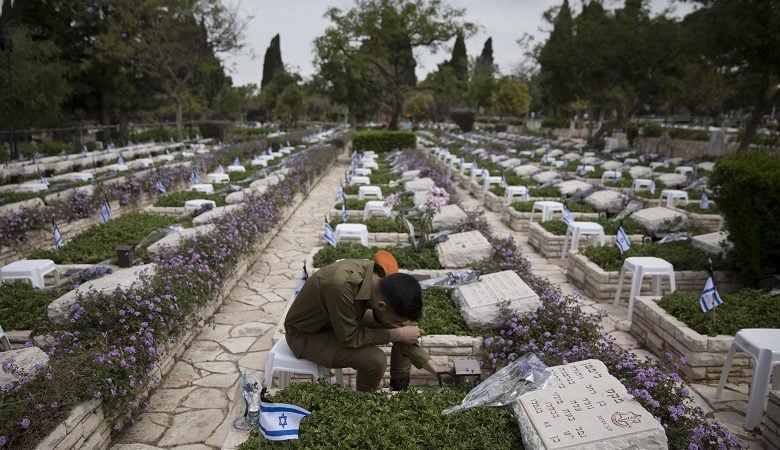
{"x": 680, "y": 148}
{"x": 662, "y": 333}
{"x": 493, "y": 202}
{"x": 770, "y": 426}
{"x": 710, "y": 223}
{"x": 476, "y": 190}
{"x": 601, "y": 285}
{"x": 519, "y": 221}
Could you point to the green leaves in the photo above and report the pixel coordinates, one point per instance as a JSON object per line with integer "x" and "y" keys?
{"x": 682, "y": 255}
{"x": 407, "y": 257}
{"x": 23, "y": 307}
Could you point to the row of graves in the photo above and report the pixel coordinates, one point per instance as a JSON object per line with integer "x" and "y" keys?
{"x": 473, "y": 283}
{"x": 137, "y": 211}
{"x": 640, "y": 220}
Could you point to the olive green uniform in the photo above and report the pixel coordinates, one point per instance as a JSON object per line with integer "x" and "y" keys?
{"x": 324, "y": 326}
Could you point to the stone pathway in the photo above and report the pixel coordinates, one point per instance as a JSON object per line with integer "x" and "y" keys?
{"x": 194, "y": 407}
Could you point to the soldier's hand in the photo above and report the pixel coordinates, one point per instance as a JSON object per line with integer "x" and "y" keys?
{"x": 406, "y": 335}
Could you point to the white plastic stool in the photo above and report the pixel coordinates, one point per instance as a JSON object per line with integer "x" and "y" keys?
{"x": 376, "y": 206}
{"x": 466, "y": 166}
{"x": 655, "y": 165}
{"x": 362, "y": 172}
{"x": 611, "y": 175}
{"x": 281, "y": 359}
{"x": 683, "y": 170}
{"x": 641, "y": 183}
{"x": 352, "y": 230}
{"x": 515, "y": 191}
{"x": 370, "y": 164}
{"x": 30, "y": 269}
{"x": 259, "y": 162}
{"x": 359, "y": 180}
{"x": 673, "y": 194}
{"x": 369, "y": 154}
{"x": 547, "y": 208}
{"x": 5, "y": 344}
{"x": 218, "y": 177}
{"x": 369, "y": 191}
{"x": 763, "y": 345}
{"x": 203, "y": 188}
{"x": 641, "y": 266}
{"x": 579, "y": 229}
{"x": 487, "y": 181}
{"x": 197, "y": 204}
{"x": 239, "y": 169}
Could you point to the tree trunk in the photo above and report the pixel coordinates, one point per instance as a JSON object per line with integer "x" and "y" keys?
{"x": 179, "y": 114}
{"x": 397, "y": 105}
{"x": 755, "y": 115}
{"x": 105, "y": 119}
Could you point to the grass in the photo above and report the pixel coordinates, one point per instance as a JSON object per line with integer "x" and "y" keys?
{"x": 748, "y": 308}
{"x": 682, "y": 255}
{"x": 573, "y": 207}
{"x": 177, "y": 199}
{"x": 24, "y": 307}
{"x": 407, "y": 257}
{"x": 695, "y": 207}
{"x": 441, "y": 316}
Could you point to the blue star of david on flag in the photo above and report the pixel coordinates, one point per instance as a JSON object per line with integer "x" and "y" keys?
{"x": 567, "y": 217}
{"x": 159, "y": 186}
{"x": 705, "y": 202}
{"x": 328, "y": 235}
{"x": 120, "y": 160}
{"x": 280, "y": 421}
{"x": 709, "y": 297}
{"x": 621, "y": 240}
{"x": 105, "y": 211}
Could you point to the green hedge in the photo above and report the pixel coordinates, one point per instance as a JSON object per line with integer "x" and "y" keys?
{"x": 747, "y": 191}
{"x": 383, "y": 141}
{"x": 651, "y": 129}
{"x": 24, "y": 307}
{"x": 689, "y": 134}
{"x": 441, "y": 316}
{"x": 682, "y": 255}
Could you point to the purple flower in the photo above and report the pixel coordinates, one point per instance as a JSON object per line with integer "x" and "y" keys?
{"x": 25, "y": 423}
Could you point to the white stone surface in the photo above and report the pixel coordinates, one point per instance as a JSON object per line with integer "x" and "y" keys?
{"x": 574, "y": 187}
{"x": 706, "y": 165}
{"x": 571, "y": 157}
{"x": 672, "y": 180}
{"x": 584, "y": 407}
{"x": 612, "y": 165}
{"x": 588, "y": 160}
{"x": 236, "y": 197}
{"x": 68, "y": 193}
{"x": 173, "y": 239}
{"x": 657, "y": 218}
{"x": 419, "y": 198}
{"x": 25, "y": 360}
{"x": 59, "y": 310}
{"x": 715, "y": 243}
{"x": 545, "y": 177}
{"x": 214, "y": 214}
{"x": 640, "y": 172}
{"x": 510, "y": 163}
{"x": 420, "y": 184}
{"x": 480, "y": 302}
{"x": 410, "y": 175}
{"x": 606, "y": 200}
{"x": 15, "y": 207}
{"x": 449, "y": 217}
{"x": 462, "y": 249}
{"x": 526, "y": 170}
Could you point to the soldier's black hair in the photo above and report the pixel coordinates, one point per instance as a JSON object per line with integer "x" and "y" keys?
{"x": 403, "y": 294}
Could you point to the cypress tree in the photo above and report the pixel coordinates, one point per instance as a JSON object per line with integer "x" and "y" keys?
{"x": 272, "y": 61}
{"x": 459, "y": 61}
{"x": 485, "y": 59}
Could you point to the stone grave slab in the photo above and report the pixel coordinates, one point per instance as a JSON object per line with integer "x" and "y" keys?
{"x": 59, "y": 309}
{"x": 571, "y": 157}
{"x": 420, "y": 184}
{"x": 589, "y": 160}
{"x": 420, "y": 197}
{"x": 546, "y": 177}
{"x": 526, "y": 170}
{"x": 640, "y": 172}
{"x": 584, "y": 407}
{"x": 462, "y": 249}
{"x": 706, "y": 165}
{"x": 173, "y": 239}
{"x": 68, "y": 193}
{"x": 449, "y": 217}
{"x": 612, "y": 165}
{"x": 556, "y": 153}
{"x": 410, "y": 175}
{"x": 509, "y": 163}
{"x": 672, "y": 180}
{"x": 25, "y": 360}
{"x": 606, "y": 200}
{"x": 236, "y": 197}
{"x": 214, "y": 214}
{"x": 16, "y": 207}
{"x": 676, "y": 161}
{"x": 480, "y": 302}
{"x": 574, "y": 187}
{"x": 714, "y": 243}
{"x": 497, "y": 158}
{"x": 657, "y": 218}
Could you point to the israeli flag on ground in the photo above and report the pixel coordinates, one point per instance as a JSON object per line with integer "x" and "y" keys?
{"x": 621, "y": 240}
{"x": 120, "y": 160}
{"x": 167, "y": 151}
{"x": 666, "y": 162}
{"x": 504, "y": 184}
{"x": 280, "y": 421}
{"x": 652, "y": 187}
{"x": 705, "y": 202}
{"x": 105, "y": 211}
{"x": 57, "y": 236}
{"x": 236, "y": 162}
{"x": 484, "y": 173}
{"x": 194, "y": 178}
{"x": 44, "y": 181}
{"x": 615, "y": 176}
{"x": 581, "y": 170}
{"x": 159, "y": 186}
{"x": 709, "y": 297}
{"x": 567, "y": 217}
{"x": 341, "y": 193}
{"x": 565, "y": 163}
{"x": 220, "y": 169}
{"x": 328, "y": 235}
{"x": 344, "y": 215}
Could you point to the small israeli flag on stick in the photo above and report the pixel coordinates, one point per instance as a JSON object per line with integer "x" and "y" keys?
{"x": 705, "y": 202}
{"x": 567, "y": 217}
{"x": 328, "y": 235}
{"x": 484, "y": 173}
{"x": 652, "y": 187}
{"x": 57, "y": 236}
{"x": 504, "y": 184}
{"x": 160, "y": 188}
{"x": 621, "y": 240}
{"x": 194, "y": 178}
{"x": 344, "y": 215}
{"x": 709, "y": 297}
{"x": 342, "y": 198}
{"x": 236, "y": 162}
{"x": 304, "y": 278}
{"x": 220, "y": 169}
{"x": 280, "y": 421}
{"x": 105, "y": 210}
{"x": 120, "y": 160}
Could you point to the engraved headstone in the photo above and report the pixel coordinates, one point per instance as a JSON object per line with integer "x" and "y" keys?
{"x": 480, "y": 302}
{"x": 585, "y": 407}
{"x": 449, "y": 217}
{"x": 657, "y": 218}
{"x": 419, "y": 184}
{"x": 462, "y": 249}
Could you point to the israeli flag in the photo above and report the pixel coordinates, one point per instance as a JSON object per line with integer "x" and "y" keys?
{"x": 342, "y": 199}
{"x": 236, "y": 162}
{"x": 462, "y": 161}
{"x": 120, "y": 160}
{"x": 57, "y": 236}
{"x": 220, "y": 169}
{"x": 565, "y": 163}
{"x": 167, "y": 151}
{"x": 709, "y": 297}
{"x": 621, "y": 240}
{"x": 194, "y": 178}
{"x": 567, "y": 217}
{"x": 105, "y": 211}
{"x": 44, "y": 181}
{"x": 615, "y": 176}
{"x": 299, "y": 288}
{"x": 280, "y": 421}
{"x": 642, "y": 158}
{"x": 287, "y": 143}
{"x": 666, "y": 163}
{"x": 344, "y": 215}
{"x": 484, "y": 173}
{"x": 328, "y": 235}
{"x": 652, "y": 187}
{"x": 504, "y": 184}
{"x": 159, "y": 186}
{"x": 581, "y": 170}
{"x": 705, "y": 202}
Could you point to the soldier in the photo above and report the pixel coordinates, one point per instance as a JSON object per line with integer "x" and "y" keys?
{"x": 349, "y": 308}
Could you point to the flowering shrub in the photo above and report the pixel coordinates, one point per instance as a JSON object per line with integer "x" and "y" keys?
{"x": 113, "y": 341}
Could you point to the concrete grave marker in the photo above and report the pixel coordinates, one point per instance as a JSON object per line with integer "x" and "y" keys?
{"x": 657, "y": 218}
{"x": 420, "y": 184}
{"x": 462, "y": 249}
{"x": 584, "y": 407}
{"x": 480, "y": 302}
{"x": 575, "y": 187}
{"x": 449, "y": 217}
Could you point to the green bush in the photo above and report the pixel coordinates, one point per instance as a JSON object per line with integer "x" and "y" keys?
{"x": 177, "y": 199}
{"x": 558, "y": 227}
{"x": 214, "y": 130}
{"x": 688, "y": 134}
{"x": 383, "y": 141}
{"x": 23, "y": 307}
{"x": 99, "y": 242}
{"x": 407, "y": 419}
{"x": 748, "y": 308}
{"x": 652, "y": 129}
{"x": 682, "y": 255}
{"x": 441, "y": 316}
{"x": 464, "y": 118}
{"x": 555, "y": 122}
{"x": 695, "y": 207}
{"x": 407, "y": 257}
{"x": 747, "y": 190}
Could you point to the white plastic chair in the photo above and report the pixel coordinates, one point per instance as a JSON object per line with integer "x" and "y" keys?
{"x": 359, "y": 180}
{"x": 281, "y": 359}
{"x": 578, "y": 229}
{"x": 547, "y": 208}
{"x": 611, "y": 175}
{"x": 763, "y": 345}
{"x": 515, "y": 191}
{"x": 641, "y": 266}
{"x": 488, "y": 180}
{"x": 30, "y": 269}
{"x": 671, "y": 195}
{"x": 376, "y": 206}
{"x": 352, "y": 230}
{"x": 5, "y": 344}
{"x": 370, "y": 191}
{"x": 641, "y": 183}
{"x": 683, "y": 170}
{"x": 363, "y": 172}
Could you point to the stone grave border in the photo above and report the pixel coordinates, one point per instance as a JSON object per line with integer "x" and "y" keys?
{"x": 770, "y": 425}
{"x": 711, "y": 223}
{"x": 520, "y": 221}
{"x": 87, "y": 426}
{"x": 704, "y": 355}
{"x": 601, "y": 285}
{"x": 551, "y": 245}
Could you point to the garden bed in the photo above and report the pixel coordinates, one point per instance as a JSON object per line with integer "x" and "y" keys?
{"x": 706, "y": 222}
{"x": 493, "y": 202}
{"x": 520, "y": 221}
{"x": 408, "y": 257}
{"x": 550, "y": 244}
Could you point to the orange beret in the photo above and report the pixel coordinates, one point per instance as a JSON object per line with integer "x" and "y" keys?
{"x": 387, "y": 261}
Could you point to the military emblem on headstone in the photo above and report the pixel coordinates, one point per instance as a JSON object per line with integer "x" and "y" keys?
{"x": 625, "y": 420}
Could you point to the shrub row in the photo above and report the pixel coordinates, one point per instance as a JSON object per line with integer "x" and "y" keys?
{"x": 383, "y": 141}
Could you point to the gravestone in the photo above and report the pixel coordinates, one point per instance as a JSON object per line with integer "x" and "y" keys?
{"x": 25, "y": 360}
{"x": 584, "y": 407}
{"x": 571, "y": 157}
{"x": 709, "y": 166}
{"x": 419, "y": 198}
{"x": 449, "y": 217}
{"x": 510, "y": 163}
{"x": 715, "y": 243}
{"x": 657, "y": 218}
{"x": 672, "y": 180}
{"x": 606, "y": 200}
{"x": 462, "y": 249}
{"x": 480, "y": 302}
{"x": 236, "y": 197}
{"x": 589, "y": 160}
{"x": 410, "y": 175}
{"x": 420, "y": 184}
{"x": 640, "y": 172}
{"x": 546, "y": 177}
{"x": 173, "y": 239}
{"x": 574, "y": 187}
{"x": 214, "y": 214}
{"x": 526, "y": 170}
{"x": 612, "y": 165}
{"x": 556, "y": 153}
{"x": 16, "y": 207}
{"x": 717, "y": 144}
{"x": 59, "y": 309}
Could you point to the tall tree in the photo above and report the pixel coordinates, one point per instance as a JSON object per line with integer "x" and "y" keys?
{"x": 272, "y": 62}
{"x": 557, "y": 74}
{"x": 460, "y": 60}
{"x": 384, "y": 33}
{"x": 483, "y": 76}
{"x": 510, "y": 98}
